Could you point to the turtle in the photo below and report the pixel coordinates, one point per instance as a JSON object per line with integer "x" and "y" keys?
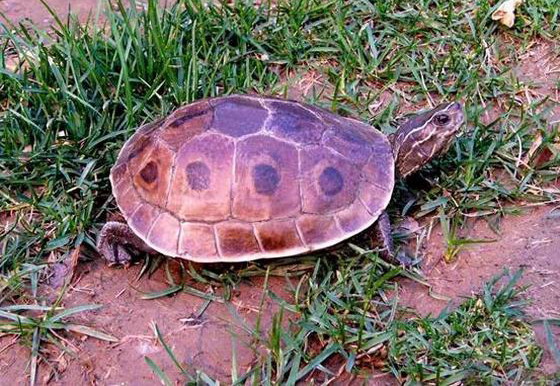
{"x": 245, "y": 177}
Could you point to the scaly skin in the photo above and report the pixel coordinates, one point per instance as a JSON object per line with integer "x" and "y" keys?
{"x": 114, "y": 240}
{"x": 382, "y": 233}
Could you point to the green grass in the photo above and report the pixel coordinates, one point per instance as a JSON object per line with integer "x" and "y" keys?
{"x": 69, "y": 100}
{"x": 484, "y": 341}
{"x": 343, "y": 323}
{"x": 42, "y": 328}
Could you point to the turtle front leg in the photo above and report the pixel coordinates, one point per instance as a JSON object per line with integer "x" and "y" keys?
{"x": 113, "y": 241}
{"x": 383, "y": 233}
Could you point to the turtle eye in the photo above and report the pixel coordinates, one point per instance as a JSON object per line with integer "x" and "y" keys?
{"x": 441, "y": 119}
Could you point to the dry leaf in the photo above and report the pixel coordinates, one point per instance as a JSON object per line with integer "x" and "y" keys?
{"x": 505, "y": 14}
{"x": 547, "y": 154}
{"x": 63, "y": 272}
{"x": 534, "y": 147}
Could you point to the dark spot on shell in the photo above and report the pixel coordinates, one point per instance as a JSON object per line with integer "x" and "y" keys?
{"x": 198, "y": 176}
{"x": 266, "y": 179}
{"x": 331, "y": 181}
{"x": 149, "y": 172}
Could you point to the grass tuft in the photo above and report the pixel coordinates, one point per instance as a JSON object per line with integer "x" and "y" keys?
{"x": 484, "y": 341}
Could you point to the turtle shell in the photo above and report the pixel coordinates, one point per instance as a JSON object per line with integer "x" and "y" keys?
{"x": 247, "y": 177}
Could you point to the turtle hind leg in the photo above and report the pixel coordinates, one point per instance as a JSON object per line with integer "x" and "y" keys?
{"x": 113, "y": 242}
{"x": 384, "y": 235}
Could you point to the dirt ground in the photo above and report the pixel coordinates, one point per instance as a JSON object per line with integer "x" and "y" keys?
{"x": 201, "y": 343}
{"x": 18, "y": 10}
{"x": 530, "y": 241}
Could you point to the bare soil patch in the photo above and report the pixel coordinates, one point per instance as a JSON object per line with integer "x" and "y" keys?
{"x": 539, "y": 70}
{"x": 530, "y": 242}
{"x": 17, "y": 10}
{"x": 206, "y": 342}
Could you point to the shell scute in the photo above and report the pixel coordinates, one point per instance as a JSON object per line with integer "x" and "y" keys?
{"x": 165, "y": 233}
{"x": 236, "y": 239}
{"x": 136, "y": 151}
{"x": 374, "y": 197}
{"x": 318, "y": 230}
{"x": 237, "y": 116}
{"x": 266, "y": 179}
{"x": 293, "y": 122}
{"x": 349, "y": 143}
{"x": 143, "y": 218}
{"x": 378, "y": 170}
{"x": 127, "y": 198}
{"x": 201, "y": 185}
{"x": 186, "y": 123}
{"x": 197, "y": 240}
{"x": 330, "y": 182}
{"x": 152, "y": 176}
{"x": 280, "y": 237}
{"x": 353, "y": 217}
{"x": 119, "y": 175}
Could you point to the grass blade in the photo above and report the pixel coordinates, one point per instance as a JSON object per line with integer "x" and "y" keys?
{"x": 551, "y": 341}
{"x": 80, "y": 329}
{"x": 163, "y": 293}
{"x": 316, "y": 362}
{"x": 74, "y": 310}
{"x": 158, "y": 372}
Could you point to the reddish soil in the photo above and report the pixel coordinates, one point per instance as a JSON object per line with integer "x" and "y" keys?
{"x": 18, "y": 10}
{"x": 539, "y": 70}
{"x": 530, "y": 241}
{"x": 199, "y": 343}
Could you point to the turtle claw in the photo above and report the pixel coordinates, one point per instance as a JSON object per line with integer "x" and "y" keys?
{"x": 389, "y": 252}
{"x": 120, "y": 256}
{"x": 406, "y": 259}
{"x": 115, "y": 243}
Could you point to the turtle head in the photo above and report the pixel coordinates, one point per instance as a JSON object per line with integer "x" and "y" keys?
{"x": 424, "y": 136}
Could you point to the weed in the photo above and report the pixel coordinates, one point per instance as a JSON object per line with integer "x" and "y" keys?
{"x": 43, "y": 327}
